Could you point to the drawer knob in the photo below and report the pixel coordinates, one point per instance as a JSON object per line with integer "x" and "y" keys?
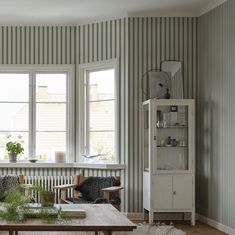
{"x": 174, "y": 192}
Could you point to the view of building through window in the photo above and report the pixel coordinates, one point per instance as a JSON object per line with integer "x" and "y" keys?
{"x": 34, "y": 108}
{"x": 14, "y": 106}
{"x": 101, "y": 113}
{"x": 50, "y": 115}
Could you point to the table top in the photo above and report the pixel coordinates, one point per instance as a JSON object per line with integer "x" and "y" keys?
{"x": 99, "y": 217}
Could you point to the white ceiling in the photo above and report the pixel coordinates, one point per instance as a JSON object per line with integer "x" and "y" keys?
{"x": 74, "y": 12}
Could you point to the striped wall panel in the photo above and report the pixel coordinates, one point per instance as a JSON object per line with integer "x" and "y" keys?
{"x": 232, "y": 106}
{"x": 216, "y": 113}
{"x": 103, "y": 41}
{"x": 151, "y": 41}
{"x": 37, "y": 45}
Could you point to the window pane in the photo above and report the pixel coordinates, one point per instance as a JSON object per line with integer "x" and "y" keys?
{"x": 103, "y": 143}
{"x": 14, "y": 87}
{"x": 14, "y": 117}
{"x": 13, "y": 136}
{"x": 101, "y": 85}
{"x": 51, "y": 87}
{"x": 47, "y": 143}
{"x": 102, "y": 115}
{"x": 51, "y": 117}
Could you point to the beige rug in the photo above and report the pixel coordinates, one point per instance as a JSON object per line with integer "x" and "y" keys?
{"x": 142, "y": 229}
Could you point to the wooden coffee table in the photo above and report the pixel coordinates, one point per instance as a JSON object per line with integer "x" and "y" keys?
{"x": 99, "y": 217}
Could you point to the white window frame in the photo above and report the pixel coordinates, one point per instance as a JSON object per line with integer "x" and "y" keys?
{"x": 32, "y": 70}
{"x": 82, "y": 130}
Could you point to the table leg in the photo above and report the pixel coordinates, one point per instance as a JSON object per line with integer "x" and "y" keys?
{"x": 107, "y": 232}
{"x": 16, "y": 232}
{"x": 11, "y": 232}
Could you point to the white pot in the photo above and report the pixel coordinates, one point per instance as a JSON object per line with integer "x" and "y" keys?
{"x": 12, "y": 157}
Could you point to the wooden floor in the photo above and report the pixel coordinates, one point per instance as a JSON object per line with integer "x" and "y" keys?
{"x": 199, "y": 229}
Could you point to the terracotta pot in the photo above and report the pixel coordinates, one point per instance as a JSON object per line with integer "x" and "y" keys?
{"x": 12, "y": 157}
{"x": 47, "y": 199}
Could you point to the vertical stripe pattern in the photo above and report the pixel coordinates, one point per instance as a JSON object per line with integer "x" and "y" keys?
{"x": 216, "y": 113}
{"x": 37, "y": 45}
{"x": 152, "y": 41}
{"x": 141, "y": 44}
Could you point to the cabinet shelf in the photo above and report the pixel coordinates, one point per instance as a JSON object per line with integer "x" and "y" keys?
{"x": 172, "y": 146}
{"x": 173, "y": 127}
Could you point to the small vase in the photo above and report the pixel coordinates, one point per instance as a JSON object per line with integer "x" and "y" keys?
{"x": 47, "y": 199}
{"x": 12, "y": 157}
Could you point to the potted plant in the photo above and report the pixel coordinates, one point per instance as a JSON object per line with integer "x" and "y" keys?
{"x": 46, "y": 196}
{"x": 14, "y": 148}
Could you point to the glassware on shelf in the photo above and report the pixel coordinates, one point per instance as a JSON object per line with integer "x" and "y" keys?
{"x": 180, "y": 162}
{"x": 169, "y": 124}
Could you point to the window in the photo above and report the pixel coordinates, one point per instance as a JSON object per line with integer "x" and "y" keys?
{"x": 14, "y": 115}
{"x": 35, "y": 109}
{"x": 100, "y": 123}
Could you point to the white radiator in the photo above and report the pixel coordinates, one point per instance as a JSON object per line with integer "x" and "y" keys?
{"x": 48, "y": 183}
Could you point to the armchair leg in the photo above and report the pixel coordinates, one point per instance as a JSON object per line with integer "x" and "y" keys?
{"x": 106, "y": 196}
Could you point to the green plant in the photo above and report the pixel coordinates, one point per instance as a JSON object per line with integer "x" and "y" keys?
{"x": 48, "y": 217}
{"x": 14, "y": 147}
{"x": 15, "y": 206}
{"x": 46, "y": 194}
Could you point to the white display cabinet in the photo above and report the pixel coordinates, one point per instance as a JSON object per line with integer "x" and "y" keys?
{"x": 169, "y": 156}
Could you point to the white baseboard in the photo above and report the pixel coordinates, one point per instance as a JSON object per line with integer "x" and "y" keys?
{"x": 134, "y": 216}
{"x": 216, "y": 225}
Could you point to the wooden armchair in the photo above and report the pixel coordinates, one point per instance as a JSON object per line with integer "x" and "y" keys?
{"x": 92, "y": 190}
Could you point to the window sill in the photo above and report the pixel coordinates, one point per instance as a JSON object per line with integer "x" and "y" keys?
{"x": 62, "y": 165}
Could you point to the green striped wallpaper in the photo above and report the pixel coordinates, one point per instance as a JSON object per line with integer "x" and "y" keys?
{"x": 140, "y": 44}
{"x": 151, "y": 41}
{"x": 216, "y": 115}
{"x": 37, "y": 45}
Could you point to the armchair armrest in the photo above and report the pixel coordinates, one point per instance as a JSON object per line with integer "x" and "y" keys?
{"x": 63, "y": 191}
{"x": 26, "y": 186}
{"x": 65, "y": 186}
{"x": 112, "y": 189}
{"x": 115, "y": 190}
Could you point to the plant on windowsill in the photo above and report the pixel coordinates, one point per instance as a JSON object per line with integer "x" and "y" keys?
{"x": 14, "y": 148}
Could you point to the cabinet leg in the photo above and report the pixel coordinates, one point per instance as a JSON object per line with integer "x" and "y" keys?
{"x": 193, "y": 218}
{"x": 151, "y": 217}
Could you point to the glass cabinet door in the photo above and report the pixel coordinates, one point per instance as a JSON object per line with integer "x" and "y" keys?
{"x": 172, "y": 152}
{"x": 146, "y": 140}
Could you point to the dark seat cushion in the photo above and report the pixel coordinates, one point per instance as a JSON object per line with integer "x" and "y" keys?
{"x": 79, "y": 200}
{"x": 7, "y": 183}
{"x": 91, "y": 187}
